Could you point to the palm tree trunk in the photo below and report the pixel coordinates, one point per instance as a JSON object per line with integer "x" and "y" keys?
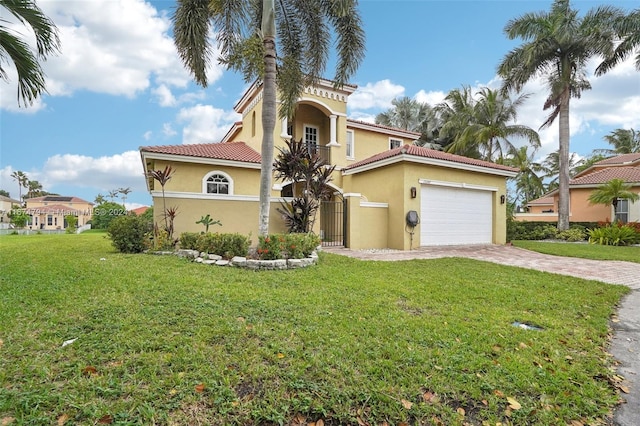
{"x": 269, "y": 113}
{"x": 563, "y": 160}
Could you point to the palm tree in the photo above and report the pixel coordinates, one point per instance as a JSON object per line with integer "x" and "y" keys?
{"x": 22, "y": 180}
{"x": 624, "y": 141}
{"x": 99, "y": 199}
{"x": 35, "y": 189}
{"x": 456, "y": 114}
{"x": 246, "y": 34}
{"x": 14, "y": 49}
{"x": 529, "y": 184}
{"x": 164, "y": 176}
{"x": 628, "y": 29}
{"x": 410, "y": 114}
{"x": 611, "y": 192}
{"x": 113, "y": 193}
{"x": 551, "y": 166}
{"x": 557, "y": 45}
{"x": 124, "y": 192}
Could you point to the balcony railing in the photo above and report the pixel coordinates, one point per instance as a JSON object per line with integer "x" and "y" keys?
{"x": 324, "y": 152}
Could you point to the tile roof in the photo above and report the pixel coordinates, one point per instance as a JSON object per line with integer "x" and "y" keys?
{"x": 619, "y": 159}
{"x": 140, "y": 210}
{"x": 627, "y": 174}
{"x": 233, "y": 151}
{"x": 57, "y": 199}
{"x": 541, "y": 201}
{"x": 419, "y": 151}
{"x": 8, "y": 199}
{"x": 383, "y": 127}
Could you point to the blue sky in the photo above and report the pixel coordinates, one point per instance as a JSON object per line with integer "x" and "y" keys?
{"x": 118, "y": 85}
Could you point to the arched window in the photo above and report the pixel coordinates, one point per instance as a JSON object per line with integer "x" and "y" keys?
{"x": 217, "y": 183}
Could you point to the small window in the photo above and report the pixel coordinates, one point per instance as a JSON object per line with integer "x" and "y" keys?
{"x": 622, "y": 211}
{"x": 395, "y": 143}
{"x": 49, "y": 220}
{"x": 253, "y": 123}
{"x": 217, "y": 184}
{"x": 350, "y": 144}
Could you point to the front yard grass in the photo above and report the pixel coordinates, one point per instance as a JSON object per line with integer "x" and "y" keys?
{"x": 164, "y": 341}
{"x": 584, "y": 251}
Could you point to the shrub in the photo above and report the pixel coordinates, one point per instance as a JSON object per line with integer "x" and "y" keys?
{"x": 614, "y": 235}
{"x": 105, "y": 213}
{"x": 572, "y": 235}
{"x": 225, "y": 245}
{"x": 72, "y": 221}
{"x": 270, "y": 246}
{"x": 291, "y": 246}
{"x": 189, "y": 240}
{"x": 128, "y": 233}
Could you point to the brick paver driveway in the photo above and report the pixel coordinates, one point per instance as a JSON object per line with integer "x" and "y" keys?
{"x": 612, "y": 272}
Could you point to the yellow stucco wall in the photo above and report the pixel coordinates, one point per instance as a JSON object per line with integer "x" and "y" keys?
{"x": 188, "y": 177}
{"x": 392, "y": 185}
{"x": 235, "y": 216}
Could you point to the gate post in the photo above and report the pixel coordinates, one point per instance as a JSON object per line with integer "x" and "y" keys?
{"x": 352, "y": 220}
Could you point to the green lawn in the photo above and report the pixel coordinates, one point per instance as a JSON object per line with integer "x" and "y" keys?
{"x": 585, "y": 251}
{"x": 164, "y": 341}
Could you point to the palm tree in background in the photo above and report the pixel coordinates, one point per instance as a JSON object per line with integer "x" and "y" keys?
{"x": 13, "y": 49}
{"x": 22, "y": 180}
{"x": 99, "y": 199}
{"x": 611, "y": 192}
{"x": 624, "y": 141}
{"x": 628, "y": 30}
{"x": 456, "y": 114}
{"x": 34, "y": 189}
{"x": 557, "y": 45}
{"x": 529, "y": 184}
{"x": 551, "y": 165}
{"x": 124, "y": 192}
{"x": 246, "y": 34}
{"x": 410, "y": 114}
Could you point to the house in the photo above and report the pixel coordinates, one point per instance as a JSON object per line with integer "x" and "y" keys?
{"x": 140, "y": 210}
{"x": 380, "y": 176}
{"x": 6, "y": 204}
{"x": 625, "y": 167}
{"x": 49, "y": 212}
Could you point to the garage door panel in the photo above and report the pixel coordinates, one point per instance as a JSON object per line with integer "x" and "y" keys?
{"x": 451, "y": 215}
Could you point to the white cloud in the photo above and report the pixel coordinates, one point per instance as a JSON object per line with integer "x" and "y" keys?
{"x": 116, "y": 47}
{"x": 164, "y": 95}
{"x": 147, "y": 135}
{"x": 205, "y": 124}
{"x": 103, "y": 173}
{"x": 432, "y": 98}
{"x": 168, "y": 131}
{"x": 375, "y": 95}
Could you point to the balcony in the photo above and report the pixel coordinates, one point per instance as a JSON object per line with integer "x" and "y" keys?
{"x": 324, "y": 152}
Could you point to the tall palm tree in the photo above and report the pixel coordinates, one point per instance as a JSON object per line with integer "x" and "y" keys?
{"x": 529, "y": 184}
{"x": 628, "y": 30}
{"x": 124, "y": 192}
{"x": 557, "y": 45}
{"x": 14, "y": 49}
{"x": 99, "y": 199}
{"x": 611, "y": 192}
{"x": 21, "y": 178}
{"x": 624, "y": 141}
{"x": 246, "y": 34}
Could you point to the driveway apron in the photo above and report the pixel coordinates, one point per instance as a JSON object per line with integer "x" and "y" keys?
{"x": 625, "y": 345}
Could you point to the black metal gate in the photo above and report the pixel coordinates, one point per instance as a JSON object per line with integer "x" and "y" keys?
{"x": 333, "y": 223}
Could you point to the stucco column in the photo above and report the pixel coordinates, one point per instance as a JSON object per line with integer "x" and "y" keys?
{"x": 333, "y": 141}
{"x": 283, "y": 128}
{"x": 353, "y": 220}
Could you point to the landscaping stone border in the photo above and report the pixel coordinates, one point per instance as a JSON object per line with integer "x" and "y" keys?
{"x": 243, "y": 262}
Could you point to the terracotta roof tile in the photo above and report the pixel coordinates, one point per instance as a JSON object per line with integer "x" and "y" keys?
{"x": 627, "y": 174}
{"x": 233, "y": 151}
{"x": 541, "y": 201}
{"x": 380, "y": 126}
{"x": 619, "y": 159}
{"x": 419, "y": 151}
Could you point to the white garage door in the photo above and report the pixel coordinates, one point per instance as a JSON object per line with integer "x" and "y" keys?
{"x": 452, "y": 215}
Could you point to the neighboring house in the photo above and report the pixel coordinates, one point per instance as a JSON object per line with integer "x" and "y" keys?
{"x": 49, "y": 212}
{"x": 379, "y": 177}
{"x": 6, "y": 204}
{"x": 625, "y": 167}
{"x": 139, "y": 210}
